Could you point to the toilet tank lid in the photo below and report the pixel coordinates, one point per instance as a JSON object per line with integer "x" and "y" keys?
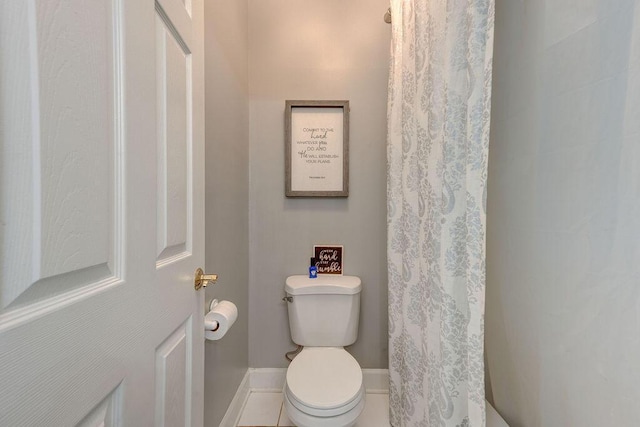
{"x": 323, "y": 285}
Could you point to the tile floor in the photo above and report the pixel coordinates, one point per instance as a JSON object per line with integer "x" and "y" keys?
{"x": 265, "y": 408}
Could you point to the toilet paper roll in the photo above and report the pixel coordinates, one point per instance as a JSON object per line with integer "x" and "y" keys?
{"x": 218, "y": 321}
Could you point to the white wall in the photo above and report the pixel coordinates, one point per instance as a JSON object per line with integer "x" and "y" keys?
{"x": 227, "y": 194}
{"x": 315, "y": 50}
{"x": 563, "y": 285}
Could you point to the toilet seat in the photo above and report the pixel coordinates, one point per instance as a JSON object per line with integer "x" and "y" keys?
{"x": 324, "y": 382}
{"x": 332, "y": 412}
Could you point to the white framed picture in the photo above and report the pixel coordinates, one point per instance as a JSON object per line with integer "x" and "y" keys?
{"x": 317, "y": 149}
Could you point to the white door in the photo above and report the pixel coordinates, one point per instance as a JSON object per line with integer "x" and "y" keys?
{"x": 101, "y": 212}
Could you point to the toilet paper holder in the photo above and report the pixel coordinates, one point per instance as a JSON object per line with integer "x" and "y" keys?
{"x": 219, "y": 319}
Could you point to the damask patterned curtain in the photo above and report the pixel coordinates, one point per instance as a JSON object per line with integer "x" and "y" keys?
{"x": 438, "y": 114}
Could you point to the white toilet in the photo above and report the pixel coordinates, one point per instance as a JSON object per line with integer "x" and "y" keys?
{"x": 324, "y": 382}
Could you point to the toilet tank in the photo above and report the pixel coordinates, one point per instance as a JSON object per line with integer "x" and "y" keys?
{"x": 325, "y": 311}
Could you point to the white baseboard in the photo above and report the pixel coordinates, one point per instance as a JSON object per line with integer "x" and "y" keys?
{"x": 234, "y": 411}
{"x": 272, "y": 379}
{"x": 267, "y": 379}
{"x": 376, "y": 380}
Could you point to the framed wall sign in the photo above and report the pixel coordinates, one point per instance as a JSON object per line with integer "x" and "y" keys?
{"x": 317, "y": 148}
{"x": 329, "y": 259}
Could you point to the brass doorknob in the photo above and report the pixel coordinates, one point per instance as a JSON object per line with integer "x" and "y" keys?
{"x": 202, "y": 280}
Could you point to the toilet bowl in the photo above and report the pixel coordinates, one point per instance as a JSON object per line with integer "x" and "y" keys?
{"x": 324, "y": 388}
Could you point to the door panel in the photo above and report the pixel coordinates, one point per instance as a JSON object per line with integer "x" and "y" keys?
{"x": 179, "y": 18}
{"x": 179, "y": 217}
{"x": 74, "y": 85}
{"x": 173, "y": 379}
{"x": 101, "y": 213}
{"x": 107, "y": 413}
{"x": 65, "y": 231}
{"x": 174, "y": 141}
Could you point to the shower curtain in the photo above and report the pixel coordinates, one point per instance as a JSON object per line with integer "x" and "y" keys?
{"x": 438, "y": 121}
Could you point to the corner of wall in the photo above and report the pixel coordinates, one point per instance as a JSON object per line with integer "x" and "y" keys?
{"x": 227, "y": 195}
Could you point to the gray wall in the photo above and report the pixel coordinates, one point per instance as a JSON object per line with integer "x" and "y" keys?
{"x": 309, "y": 49}
{"x": 227, "y": 195}
{"x": 563, "y": 285}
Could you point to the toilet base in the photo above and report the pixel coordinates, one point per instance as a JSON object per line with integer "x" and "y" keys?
{"x": 302, "y": 419}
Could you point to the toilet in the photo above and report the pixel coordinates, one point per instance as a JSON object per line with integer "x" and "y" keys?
{"x": 323, "y": 386}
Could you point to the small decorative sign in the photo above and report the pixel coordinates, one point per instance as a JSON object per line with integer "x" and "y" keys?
{"x": 317, "y": 148}
{"x": 328, "y": 259}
